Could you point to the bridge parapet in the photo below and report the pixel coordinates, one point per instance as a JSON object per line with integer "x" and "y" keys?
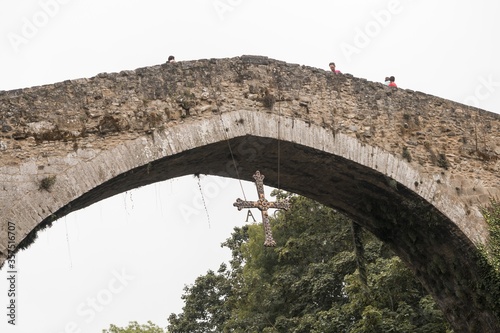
{"x": 130, "y": 103}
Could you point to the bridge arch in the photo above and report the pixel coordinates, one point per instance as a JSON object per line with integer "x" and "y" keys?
{"x": 425, "y": 212}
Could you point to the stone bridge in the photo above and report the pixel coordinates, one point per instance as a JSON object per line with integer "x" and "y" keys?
{"x": 413, "y": 169}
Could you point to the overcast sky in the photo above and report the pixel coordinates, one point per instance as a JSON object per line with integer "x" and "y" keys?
{"x": 128, "y": 257}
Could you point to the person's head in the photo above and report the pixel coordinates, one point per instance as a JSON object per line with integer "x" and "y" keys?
{"x": 387, "y": 79}
{"x": 392, "y": 79}
{"x": 332, "y": 66}
{"x": 171, "y": 58}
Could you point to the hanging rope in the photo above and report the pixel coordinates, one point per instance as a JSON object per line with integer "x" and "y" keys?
{"x": 278, "y": 77}
{"x": 219, "y": 112}
{"x": 203, "y": 199}
{"x": 332, "y": 104}
{"x": 356, "y": 229}
{"x": 67, "y": 242}
{"x": 279, "y": 131}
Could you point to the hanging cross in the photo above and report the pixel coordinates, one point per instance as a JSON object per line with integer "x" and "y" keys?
{"x": 263, "y": 205}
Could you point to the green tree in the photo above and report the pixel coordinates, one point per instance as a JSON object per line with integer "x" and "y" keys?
{"x": 134, "y": 327}
{"x": 308, "y": 283}
{"x": 205, "y": 308}
{"x": 489, "y": 255}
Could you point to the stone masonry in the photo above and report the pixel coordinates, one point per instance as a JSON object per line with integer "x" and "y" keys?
{"x": 414, "y": 169}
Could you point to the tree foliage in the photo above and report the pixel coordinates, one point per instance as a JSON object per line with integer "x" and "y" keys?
{"x": 134, "y": 327}
{"x": 489, "y": 256}
{"x": 308, "y": 283}
{"x": 205, "y": 307}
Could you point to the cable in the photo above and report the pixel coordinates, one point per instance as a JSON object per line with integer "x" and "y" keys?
{"x": 67, "y": 242}
{"x": 279, "y": 136}
{"x": 227, "y": 140}
{"x": 203, "y": 199}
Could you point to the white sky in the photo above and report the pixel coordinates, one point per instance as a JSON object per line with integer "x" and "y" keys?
{"x": 445, "y": 48}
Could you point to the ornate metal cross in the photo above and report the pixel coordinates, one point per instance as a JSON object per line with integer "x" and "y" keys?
{"x": 263, "y": 205}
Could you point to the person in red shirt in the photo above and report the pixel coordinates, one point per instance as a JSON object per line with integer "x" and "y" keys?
{"x": 332, "y": 67}
{"x": 392, "y": 83}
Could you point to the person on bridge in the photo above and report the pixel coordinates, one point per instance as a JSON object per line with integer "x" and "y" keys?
{"x": 332, "y": 67}
{"x": 392, "y": 83}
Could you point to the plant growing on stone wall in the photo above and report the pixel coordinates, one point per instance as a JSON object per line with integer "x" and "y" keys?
{"x": 28, "y": 240}
{"x": 489, "y": 255}
{"x": 492, "y": 250}
{"x": 47, "y": 183}
{"x": 432, "y": 154}
{"x": 33, "y": 235}
{"x": 406, "y": 154}
{"x": 186, "y": 100}
{"x": 83, "y": 118}
{"x": 108, "y": 124}
{"x": 268, "y": 100}
{"x": 154, "y": 119}
{"x": 442, "y": 161}
{"x": 486, "y": 155}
